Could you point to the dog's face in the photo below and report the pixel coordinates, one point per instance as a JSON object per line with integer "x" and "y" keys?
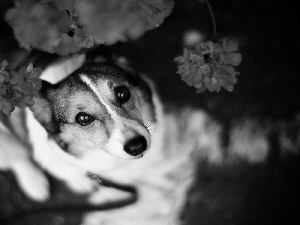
{"x": 98, "y": 114}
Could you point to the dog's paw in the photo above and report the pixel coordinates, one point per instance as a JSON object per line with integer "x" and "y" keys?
{"x": 32, "y": 181}
{"x": 39, "y": 190}
{"x": 81, "y": 184}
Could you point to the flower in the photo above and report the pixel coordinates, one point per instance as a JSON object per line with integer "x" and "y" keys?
{"x": 17, "y": 88}
{"x": 36, "y": 24}
{"x": 210, "y": 65}
{"x": 111, "y": 20}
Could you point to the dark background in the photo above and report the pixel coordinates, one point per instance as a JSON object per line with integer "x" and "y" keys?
{"x": 267, "y": 90}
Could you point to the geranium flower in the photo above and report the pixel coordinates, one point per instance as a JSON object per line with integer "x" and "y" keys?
{"x": 210, "y": 65}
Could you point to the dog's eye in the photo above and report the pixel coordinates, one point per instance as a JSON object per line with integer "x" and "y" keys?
{"x": 122, "y": 94}
{"x": 84, "y": 119}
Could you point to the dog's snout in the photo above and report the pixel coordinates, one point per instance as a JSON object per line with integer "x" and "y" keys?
{"x": 136, "y": 146}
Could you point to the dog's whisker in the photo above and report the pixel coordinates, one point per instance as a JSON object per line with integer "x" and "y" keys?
{"x": 149, "y": 126}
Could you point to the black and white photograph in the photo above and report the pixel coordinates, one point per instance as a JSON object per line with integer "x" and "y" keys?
{"x": 149, "y": 112}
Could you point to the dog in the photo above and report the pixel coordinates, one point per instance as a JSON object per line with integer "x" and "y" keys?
{"x": 100, "y": 116}
{"x": 101, "y": 112}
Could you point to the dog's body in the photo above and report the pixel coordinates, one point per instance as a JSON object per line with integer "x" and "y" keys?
{"x": 105, "y": 119}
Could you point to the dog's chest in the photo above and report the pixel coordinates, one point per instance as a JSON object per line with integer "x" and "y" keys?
{"x": 177, "y": 145}
{"x": 164, "y": 175}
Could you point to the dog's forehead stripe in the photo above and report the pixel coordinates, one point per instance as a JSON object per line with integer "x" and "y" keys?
{"x": 92, "y": 86}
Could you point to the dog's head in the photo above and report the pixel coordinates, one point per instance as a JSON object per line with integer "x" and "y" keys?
{"x": 99, "y": 113}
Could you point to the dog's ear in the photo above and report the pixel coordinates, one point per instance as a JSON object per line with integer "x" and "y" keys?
{"x": 123, "y": 63}
{"x": 42, "y": 108}
{"x": 99, "y": 54}
{"x": 62, "y": 68}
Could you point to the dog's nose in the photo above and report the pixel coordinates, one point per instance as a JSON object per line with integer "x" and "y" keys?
{"x": 136, "y": 145}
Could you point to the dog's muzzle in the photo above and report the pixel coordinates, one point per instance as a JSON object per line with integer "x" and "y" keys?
{"x": 136, "y": 145}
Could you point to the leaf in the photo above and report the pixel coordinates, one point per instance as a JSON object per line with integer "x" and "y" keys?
{"x": 188, "y": 79}
{"x": 66, "y": 45}
{"x": 110, "y": 21}
{"x": 210, "y": 46}
{"x": 196, "y": 58}
{"x": 36, "y": 24}
{"x": 3, "y": 64}
{"x": 212, "y": 87}
{"x": 229, "y": 69}
{"x": 2, "y": 90}
{"x": 181, "y": 69}
{"x": 25, "y": 87}
{"x": 6, "y": 106}
{"x": 29, "y": 100}
{"x": 197, "y": 80}
{"x": 29, "y": 68}
{"x": 2, "y": 79}
{"x": 180, "y": 60}
{"x": 17, "y": 77}
{"x": 62, "y": 4}
{"x": 156, "y": 11}
{"x": 35, "y": 73}
{"x": 37, "y": 85}
{"x": 4, "y": 76}
{"x": 83, "y": 40}
{"x": 230, "y": 45}
{"x": 200, "y": 89}
{"x": 202, "y": 48}
{"x": 20, "y": 104}
{"x": 233, "y": 58}
{"x": 186, "y": 53}
{"x": 228, "y": 87}
{"x": 217, "y": 48}
{"x": 168, "y": 7}
{"x": 206, "y": 69}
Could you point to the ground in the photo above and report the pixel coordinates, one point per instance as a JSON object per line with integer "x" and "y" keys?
{"x": 266, "y": 91}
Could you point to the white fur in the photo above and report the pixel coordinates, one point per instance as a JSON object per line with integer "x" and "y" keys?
{"x": 163, "y": 176}
{"x": 61, "y": 70}
{"x": 15, "y": 157}
{"x": 115, "y": 145}
{"x": 54, "y": 160}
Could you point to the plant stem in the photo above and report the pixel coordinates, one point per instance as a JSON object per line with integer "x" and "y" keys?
{"x": 18, "y": 66}
{"x": 212, "y": 18}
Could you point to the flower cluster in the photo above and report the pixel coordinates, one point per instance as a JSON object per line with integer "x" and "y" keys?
{"x": 156, "y": 11}
{"x": 66, "y": 26}
{"x": 210, "y": 65}
{"x": 125, "y": 19}
{"x": 17, "y": 88}
{"x": 36, "y": 24}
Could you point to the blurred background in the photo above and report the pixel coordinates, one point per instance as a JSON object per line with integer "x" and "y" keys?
{"x": 267, "y": 92}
